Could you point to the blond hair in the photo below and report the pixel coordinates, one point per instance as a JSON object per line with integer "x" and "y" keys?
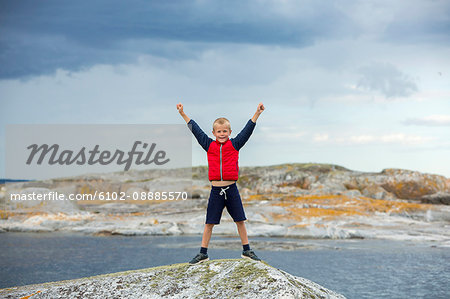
{"x": 221, "y": 121}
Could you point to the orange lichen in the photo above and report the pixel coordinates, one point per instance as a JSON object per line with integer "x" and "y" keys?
{"x": 412, "y": 189}
{"x": 300, "y": 213}
{"x": 299, "y": 225}
{"x": 269, "y": 196}
{"x": 332, "y": 206}
{"x": 27, "y": 297}
{"x": 256, "y": 197}
{"x": 4, "y": 214}
{"x": 138, "y": 213}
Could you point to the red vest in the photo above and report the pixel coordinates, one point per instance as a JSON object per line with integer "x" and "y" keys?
{"x": 223, "y": 161}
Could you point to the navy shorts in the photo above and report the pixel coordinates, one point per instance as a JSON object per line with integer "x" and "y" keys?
{"x": 221, "y": 197}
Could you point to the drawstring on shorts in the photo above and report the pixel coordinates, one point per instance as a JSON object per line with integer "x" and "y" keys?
{"x": 222, "y": 191}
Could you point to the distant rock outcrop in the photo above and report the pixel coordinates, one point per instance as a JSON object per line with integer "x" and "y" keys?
{"x": 297, "y": 178}
{"x": 321, "y": 179}
{"x": 288, "y": 200}
{"x": 213, "y": 279}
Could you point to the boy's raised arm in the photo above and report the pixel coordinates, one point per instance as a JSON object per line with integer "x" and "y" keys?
{"x": 181, "y": 111}
{"x": 201, "y": 137}
{"x": 244, "y": 135}
{"x": 258, "y": 112}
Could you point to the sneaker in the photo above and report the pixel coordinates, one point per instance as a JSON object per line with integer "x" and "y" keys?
{"x": 199, "y": 258}
{"x": 250, "y": 254}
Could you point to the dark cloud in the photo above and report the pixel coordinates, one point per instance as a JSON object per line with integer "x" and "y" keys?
{"x": 425, "y": 22}
{"x": 386, "y": 79}
{"x": 39, "y": 37}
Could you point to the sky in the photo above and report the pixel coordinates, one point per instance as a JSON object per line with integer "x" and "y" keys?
{"x": 361, "y": 84}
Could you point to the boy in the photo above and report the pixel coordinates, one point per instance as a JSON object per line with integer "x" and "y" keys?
{"x": 223, "y": 172}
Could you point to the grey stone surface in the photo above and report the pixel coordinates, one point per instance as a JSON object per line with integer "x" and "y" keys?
{"x": 213, "y": 279}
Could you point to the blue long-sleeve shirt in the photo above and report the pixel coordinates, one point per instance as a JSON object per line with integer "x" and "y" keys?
{"x": 238, "y": 142}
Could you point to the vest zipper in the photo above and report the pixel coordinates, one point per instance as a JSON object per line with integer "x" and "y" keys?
{"x": 221, "y": 178}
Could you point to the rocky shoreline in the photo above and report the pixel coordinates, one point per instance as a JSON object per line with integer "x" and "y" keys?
{"x": 213, "y": 279}
{"x": 289, "y": 200}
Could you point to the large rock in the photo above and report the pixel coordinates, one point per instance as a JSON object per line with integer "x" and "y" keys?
{"x": 406, "y": 184}
{"x": 437, "y": 198}
{"x": 214, "y": 279}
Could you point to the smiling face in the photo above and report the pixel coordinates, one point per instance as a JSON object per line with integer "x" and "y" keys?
{"x": 221, "y": 132}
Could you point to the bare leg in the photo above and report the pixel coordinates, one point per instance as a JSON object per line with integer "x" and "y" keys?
{"x": 242, "y": 232}
{"x": 207, "y": 234}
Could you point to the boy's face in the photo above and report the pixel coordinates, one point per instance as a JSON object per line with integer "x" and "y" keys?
{"x": 221, "y": 132}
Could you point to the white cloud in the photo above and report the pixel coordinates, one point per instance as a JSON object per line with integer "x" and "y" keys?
{"x": 393, "y": 138}
{"x": 371, "y": 139}
{"x": 320, "y": 137}
{"x": 285, "y": 134}
{"x": 432, "y": 120}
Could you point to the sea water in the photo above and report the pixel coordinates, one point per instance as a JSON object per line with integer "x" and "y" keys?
{"x": 354, "y": 268}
